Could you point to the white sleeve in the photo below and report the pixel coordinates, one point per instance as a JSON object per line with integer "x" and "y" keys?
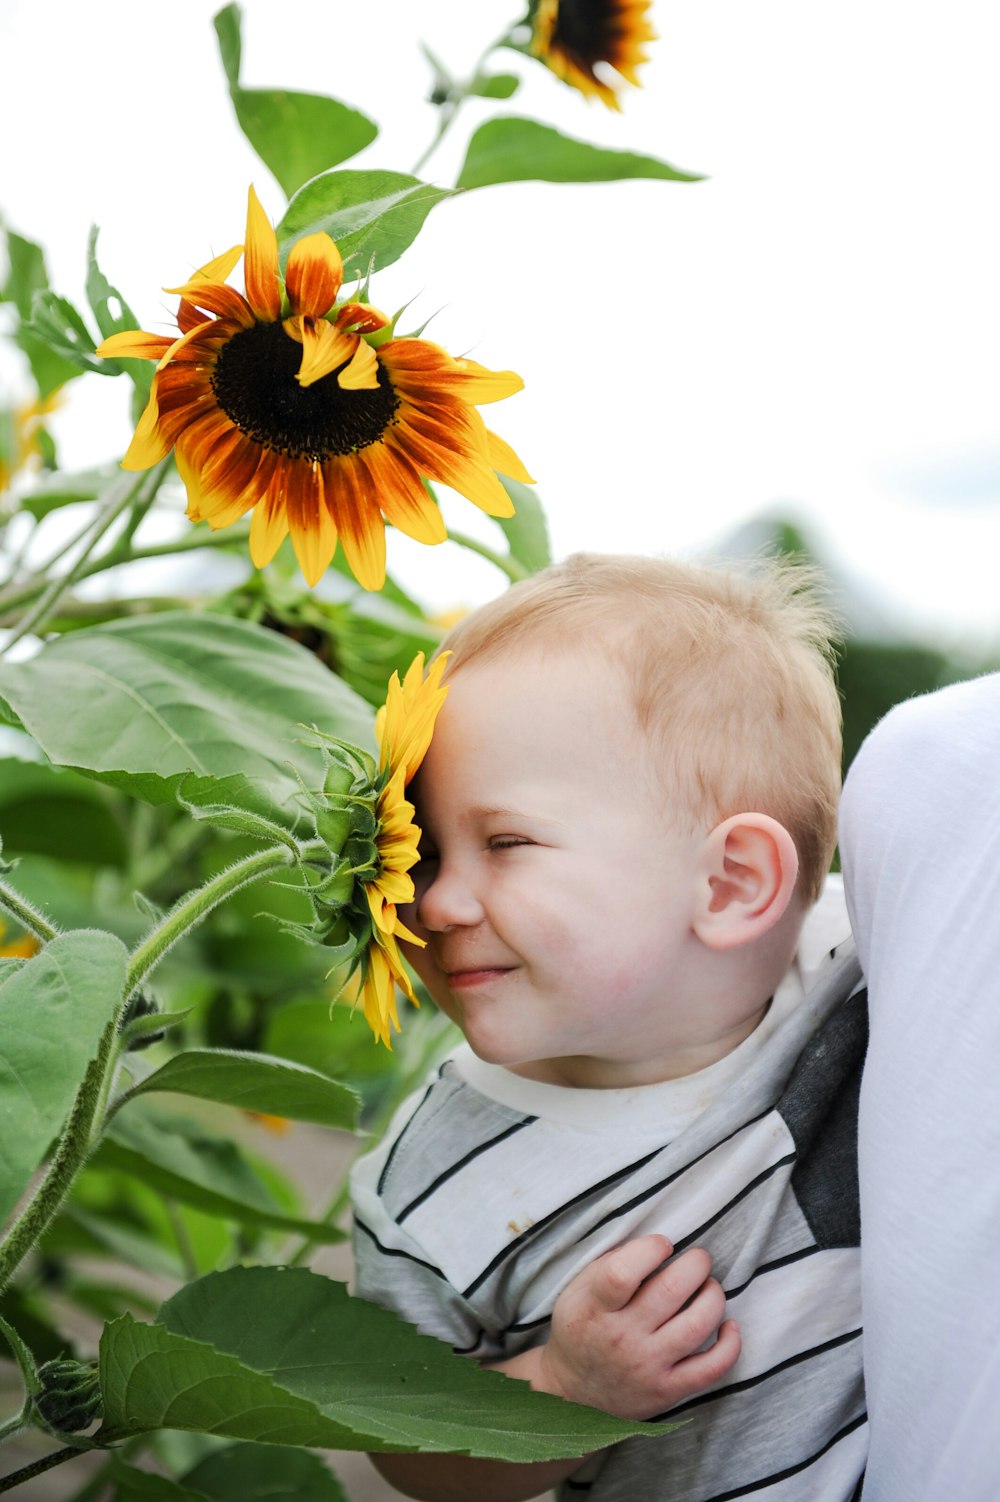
{"x": 920, "y": 842}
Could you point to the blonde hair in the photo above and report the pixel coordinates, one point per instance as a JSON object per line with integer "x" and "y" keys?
{"x": 730, "y": 671}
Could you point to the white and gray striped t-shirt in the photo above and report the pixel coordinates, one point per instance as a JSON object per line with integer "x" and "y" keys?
{"x": 490, "y": 1192}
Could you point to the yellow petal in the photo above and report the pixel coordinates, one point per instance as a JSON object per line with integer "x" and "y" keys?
{"x": 134, "y": 345}
{"x": 314, "y": 536}
{"x": 268, "y": 529}
{"x": 503, "y": 458}
{"x": 260, "y": 265}
{"x": 324, "y": 348}
{"x": 314, "y": 275}
{"x": 421, "y": 368}
{"x": 217, "y": 298}
{"x": 351, "y": 497}
{"x": 148, "y": 444}
{"x": 404, "y": 499}
{"x": 361, "y": 372}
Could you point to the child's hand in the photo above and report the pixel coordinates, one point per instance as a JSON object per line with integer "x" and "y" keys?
{"x": 626, "y": 1337}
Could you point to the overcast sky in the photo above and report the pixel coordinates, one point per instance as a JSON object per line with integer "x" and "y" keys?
{"x": 814, "y": 328}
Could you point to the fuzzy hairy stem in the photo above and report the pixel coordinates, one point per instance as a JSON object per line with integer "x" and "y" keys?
{"x": 88, "y": 1114}
{"x": 30, "y": 919}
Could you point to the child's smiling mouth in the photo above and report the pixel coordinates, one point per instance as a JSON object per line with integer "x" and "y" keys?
{"x": 462, "y": 979}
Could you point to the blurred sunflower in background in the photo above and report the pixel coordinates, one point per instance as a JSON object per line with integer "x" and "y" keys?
{"x": 308, "y": 412}
{"x": 581, "y": 39}
{"x": 22, "y": 435}
{"x": 21, "y": 948}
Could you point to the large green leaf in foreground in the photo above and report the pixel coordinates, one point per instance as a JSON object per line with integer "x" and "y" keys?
{"x": 147, "y": 704}
{"x": 53, "y": 1010}
{"x": 285, "y": 1356}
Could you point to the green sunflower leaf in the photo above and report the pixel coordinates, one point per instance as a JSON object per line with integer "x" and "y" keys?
{"x": 47, "y": 811}
{"x": 373, "y": 216}
{"x": 114, "y": 316}
{"x": 52, "y": 491}
{"x": 300, "y": 135}
{"x": 496, "y": 86}
{"x": 27, "y": 275}
{"x": 256, "y": 1082}
{"x": 264, "y": 1473}
{"x": 53, "y": 1011}
{"x": 228, "y": 24}
{"x": 133, "y": 1485}
{"x": 55, "y": 323}
{"x": 266, "y": 1353}
{"x": 509, "y": 149}
{"x": 204, "y": 704}
{"x": 527, "y": 531}
{"x": 186, "y": 1162}
{"x": 296, "y": 135}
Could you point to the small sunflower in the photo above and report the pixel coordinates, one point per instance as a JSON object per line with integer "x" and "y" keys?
{"x": 403, "y": 728}
{"x": 574, "y": 37}
{"x": 299, "y": 407}
{"x": 364, "y": 823}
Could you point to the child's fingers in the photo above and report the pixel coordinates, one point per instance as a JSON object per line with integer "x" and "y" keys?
{"x": 697, "y": 1322}
{"x": 670, "y": 1288}
{"x": 694, "y": 1373}
{"x": 615, "y": 1277}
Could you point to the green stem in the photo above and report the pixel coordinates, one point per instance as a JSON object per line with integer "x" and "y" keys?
{"x": 14, "y": 1425}
{"x": 197, "y": 905}
{"x": 37, "y": 1468}
{"x": 457, "y": 96}
{"x": 87, "y": 1116}
{"x": 30, "y": 919}
{"x": 449, "y": 109}
{"x": 231, "y": 536}
{"x": 67, "y": 1160}
{"x": 121, "y": 495}
{"x": 505, "y": 563}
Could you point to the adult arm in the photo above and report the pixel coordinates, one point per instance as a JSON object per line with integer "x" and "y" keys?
{"x": 920, "y": 840}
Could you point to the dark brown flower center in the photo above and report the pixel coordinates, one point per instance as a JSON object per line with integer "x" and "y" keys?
{"x": 583, "y": 27}
{"x": 254, "y": 384}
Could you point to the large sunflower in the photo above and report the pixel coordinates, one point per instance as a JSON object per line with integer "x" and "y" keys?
{"x": 284, "y": 401}
{"x": 403, "y": 727}
{"x": 572, "y": 37}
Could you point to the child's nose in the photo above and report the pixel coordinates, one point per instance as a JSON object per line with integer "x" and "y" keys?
{"x": 447, "y": 901}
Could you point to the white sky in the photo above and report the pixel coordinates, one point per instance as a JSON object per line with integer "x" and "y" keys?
{"x": 816, "y": 326}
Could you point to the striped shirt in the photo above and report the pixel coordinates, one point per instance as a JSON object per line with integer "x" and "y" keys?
{"x": 490, "y": 1192}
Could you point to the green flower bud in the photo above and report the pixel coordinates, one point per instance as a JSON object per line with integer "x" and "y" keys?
{"x": 70, "y": 1396}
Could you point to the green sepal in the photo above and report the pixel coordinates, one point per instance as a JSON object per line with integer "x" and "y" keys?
{"x": 69, "y": 1395}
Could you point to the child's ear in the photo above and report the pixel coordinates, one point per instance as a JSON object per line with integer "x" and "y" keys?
{"x": 750, "y": 866}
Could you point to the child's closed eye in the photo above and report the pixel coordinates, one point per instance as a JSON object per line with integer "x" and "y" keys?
{"x": 508, "y": 841}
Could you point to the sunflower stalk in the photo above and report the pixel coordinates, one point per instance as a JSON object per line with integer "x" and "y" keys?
{"x": 234, "y": 537}
{"x": 37, "y": 1468}
{"x": 122, "y": 495}
{"x": 30, "y": 919}
{"x": 504, "y": 561}
{"x": 196, "y": 906}
{"x": 454, "y": 95}
{"x": 90, "y": 1110}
